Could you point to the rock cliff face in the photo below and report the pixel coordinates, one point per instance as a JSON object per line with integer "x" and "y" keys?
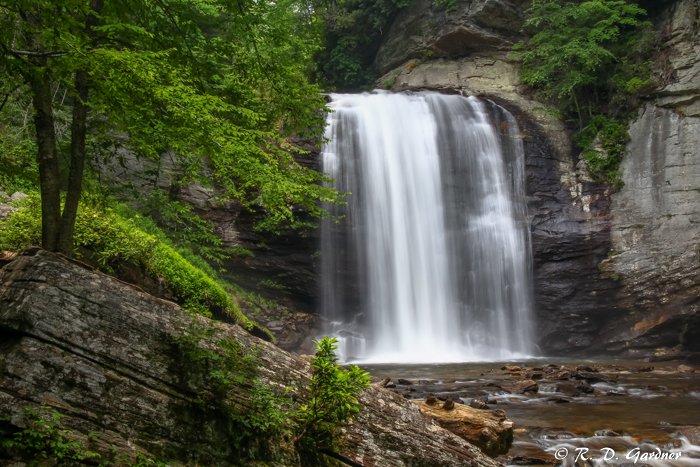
{"x": 655, "y": 217}
{"x": 108, "y": 357}
{"x": 277, "y": 267}
{"x": 424, "y": 30}
{"x": 465, "y": 49}
{"x": 613, "y": 272}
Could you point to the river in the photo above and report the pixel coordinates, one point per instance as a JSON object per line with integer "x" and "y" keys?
{"x": 579, "y": 413}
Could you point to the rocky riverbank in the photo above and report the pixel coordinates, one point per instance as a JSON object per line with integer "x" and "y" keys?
{"x": 556, "y": 406}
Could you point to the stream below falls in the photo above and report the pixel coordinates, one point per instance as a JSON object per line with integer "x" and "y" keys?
{"x": 578, "y": 413}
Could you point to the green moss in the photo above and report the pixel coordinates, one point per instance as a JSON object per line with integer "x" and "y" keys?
{"x": 447, "y": 5}
{"x": 607, "y": 270}
{"x": 113, "y": 239}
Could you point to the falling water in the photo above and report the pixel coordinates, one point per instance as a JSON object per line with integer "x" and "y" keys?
{"x": 430, "y": 259}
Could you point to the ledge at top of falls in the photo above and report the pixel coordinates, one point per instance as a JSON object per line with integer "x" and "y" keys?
{"x": 424, "y": 30}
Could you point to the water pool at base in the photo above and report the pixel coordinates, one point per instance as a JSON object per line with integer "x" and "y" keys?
{"x": 582, "y": 413}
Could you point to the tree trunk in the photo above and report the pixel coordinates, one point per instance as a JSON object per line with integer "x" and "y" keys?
{"x": 77, "y": 164}
{"x": 78, "y": 153}
{"x": 47, "y": 157}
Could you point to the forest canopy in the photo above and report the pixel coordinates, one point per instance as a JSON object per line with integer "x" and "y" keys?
{"x": 218, "y": 83}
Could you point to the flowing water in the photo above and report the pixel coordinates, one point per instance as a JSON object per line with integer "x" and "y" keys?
{"x": 616, "y": 413}
{"x": 430, "y": 259}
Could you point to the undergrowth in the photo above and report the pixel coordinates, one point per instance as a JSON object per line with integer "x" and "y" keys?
{"x": 44, "y": 439}
{"x": 111, "y": 238}
{"x": 221, "y": 371}
{"x": 225, "y": 369}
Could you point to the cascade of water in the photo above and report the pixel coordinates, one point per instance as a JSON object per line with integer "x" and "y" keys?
{"x": 430, "y": 260}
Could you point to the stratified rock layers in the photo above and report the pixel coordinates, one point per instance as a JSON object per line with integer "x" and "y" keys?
{"x": 101, "y": 352}
{"x": 655, "y": 217}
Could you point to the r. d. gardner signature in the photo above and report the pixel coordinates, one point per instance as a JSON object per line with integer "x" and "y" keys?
{"x": 609, "y": 454}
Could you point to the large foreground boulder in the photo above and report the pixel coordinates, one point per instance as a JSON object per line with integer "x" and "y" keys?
{"x": 114, "y": 361}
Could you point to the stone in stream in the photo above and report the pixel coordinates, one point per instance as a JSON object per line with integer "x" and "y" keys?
{"x": 521, "y": 387}
{"x": 491, "y": 431}
{"x": 528, "y": 454}
{"x": 431, "y": 399}
{"x": 692, "y": 433}
{"x": 383, "y": 383}
{"x": 574, "y": 388}
{"x": 478, "y": 404}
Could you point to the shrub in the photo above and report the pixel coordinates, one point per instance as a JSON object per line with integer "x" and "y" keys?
{"x": 603, "y": 144}
{"x": 587, "y": 56}
{"x": 43, "y": 438}
{"x": 333, "y": 398}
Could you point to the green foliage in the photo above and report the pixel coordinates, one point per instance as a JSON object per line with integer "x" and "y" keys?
{"x": 220, "y": 85}
{"x": 603, "y": 144}
{"x": 44, "y": 438}
{"x": 228, "y": 368}
{"x": 333, "y": 397}
{"x": 587, "y": 55}
{"x": 225, "y": 363}
{"x": 143, "y": 460}
{"x": 111, "y": 240}
{"x": 592, "y": 59}
{"x": 241, "y": 252}
{"x": 272, "y": 284}
{"x": 447, "y": 5}
{"x": 18, "y": 168}
{"x": 181, "y": 224}
{"x": 221, "y": 370}
{"x": 23, "y": 227}
{"x": 353, "y": 32}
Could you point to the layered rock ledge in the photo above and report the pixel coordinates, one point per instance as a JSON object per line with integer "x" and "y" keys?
{"x": 100, "y": 352}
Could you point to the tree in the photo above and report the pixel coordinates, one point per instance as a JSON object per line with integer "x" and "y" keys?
{"x": 582, "y": 52}
{"x": 353, "y": 31}
{"x": 219, "y": 83}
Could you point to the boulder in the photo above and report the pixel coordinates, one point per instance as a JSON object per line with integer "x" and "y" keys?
{"x": 521, "y": 387}
{"x": 491, "y": 431}
{"x": 109, "y": 358}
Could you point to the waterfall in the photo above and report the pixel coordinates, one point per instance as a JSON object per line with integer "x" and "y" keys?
{"x": 429, "y": 260}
